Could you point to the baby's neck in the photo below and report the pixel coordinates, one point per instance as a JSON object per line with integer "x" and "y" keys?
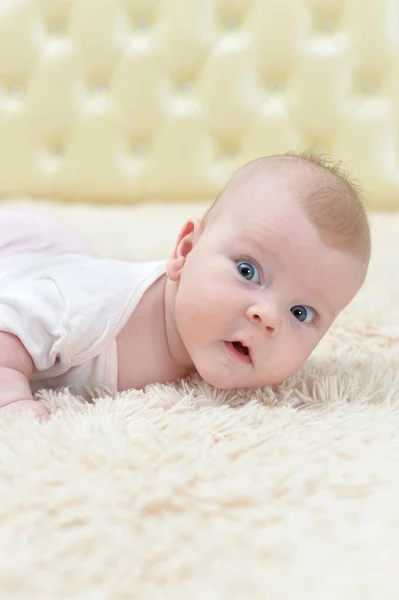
{"x": 149, "y": 347}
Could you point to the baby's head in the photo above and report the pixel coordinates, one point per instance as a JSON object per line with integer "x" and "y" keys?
{"x": 260, "y": 279}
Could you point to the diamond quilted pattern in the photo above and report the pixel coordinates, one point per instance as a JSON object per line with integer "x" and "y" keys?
{"x": 130, "y": 100}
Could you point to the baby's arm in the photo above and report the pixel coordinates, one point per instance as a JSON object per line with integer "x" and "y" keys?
{"x": 16, "y": 368}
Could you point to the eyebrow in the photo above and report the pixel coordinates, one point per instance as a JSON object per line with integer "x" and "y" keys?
{"x": 324, "y": 304}
{"x": 248, "y": 238}
{"x": 256, "y": 243}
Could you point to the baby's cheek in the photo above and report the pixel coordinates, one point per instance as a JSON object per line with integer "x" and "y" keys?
{"x": 298, "y": 355}
{"x": 201, "y": 311}
{"x": 292, "y": 355}
{"x": 189, "y": 310}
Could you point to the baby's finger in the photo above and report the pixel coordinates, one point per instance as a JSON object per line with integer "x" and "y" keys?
{"x": 27, "y": 405}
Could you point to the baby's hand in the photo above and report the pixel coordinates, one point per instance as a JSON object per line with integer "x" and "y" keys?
{"x": 16, "y": 368}
{"x": 27, "y": 405}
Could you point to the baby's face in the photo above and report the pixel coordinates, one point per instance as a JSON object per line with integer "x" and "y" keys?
{"x": 259, "y": 290}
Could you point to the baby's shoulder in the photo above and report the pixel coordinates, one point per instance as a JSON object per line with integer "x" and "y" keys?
{"x": 75, "y": 273}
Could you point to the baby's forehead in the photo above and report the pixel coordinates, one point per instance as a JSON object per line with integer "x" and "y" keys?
{"x": 268, "y": 229}
{"x": 260, "y": 201}
{"x": 275, "y": 180}
{"x": 269, "y": 187}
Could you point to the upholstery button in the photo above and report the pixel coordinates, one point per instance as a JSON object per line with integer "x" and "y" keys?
{"x": 186, "y": 87}
{"x": 143, "y": 24}
{"x": 57, "y": 29}
{"x": 12, "y": 100}
{"x": 99, "y": 90}
{"x": 50, "y": 157}
{"x": 228, "y": 151}
{"x": 56, "y": 150}
{"x": 328, "y": 25}
{"x": 16, "y": 91}
{"x": 231, "y": 23}
{"x": 275, "y": 86}
{"x": 368, "y": 86}
{"x": 138, "y": 150}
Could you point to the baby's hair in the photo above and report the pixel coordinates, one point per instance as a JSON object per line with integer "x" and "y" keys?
{"x": 334, "y": 206}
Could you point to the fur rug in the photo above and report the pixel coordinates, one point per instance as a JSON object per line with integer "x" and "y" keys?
{"x": 185, "y": 492}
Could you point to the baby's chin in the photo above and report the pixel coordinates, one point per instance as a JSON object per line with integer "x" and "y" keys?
{"x": 215, "y": 378}
{"x": 221, "y": 385}
{"x": 223, "y": 382}
{"x": 240, "y": 376}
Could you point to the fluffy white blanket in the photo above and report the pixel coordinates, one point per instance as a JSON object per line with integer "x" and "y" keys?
{"x": 185, "y": 492}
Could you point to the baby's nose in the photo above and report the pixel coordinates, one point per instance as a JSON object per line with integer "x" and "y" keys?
{"x": 267, "y": 315}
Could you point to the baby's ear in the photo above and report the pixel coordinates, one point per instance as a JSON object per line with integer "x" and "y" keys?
{"x": 186, "y": 241}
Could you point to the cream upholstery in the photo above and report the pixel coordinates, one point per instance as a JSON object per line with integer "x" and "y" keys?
{"x": 125, "y": 100}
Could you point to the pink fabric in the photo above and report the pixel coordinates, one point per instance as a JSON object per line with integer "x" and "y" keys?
{"x": 22, "y": 231}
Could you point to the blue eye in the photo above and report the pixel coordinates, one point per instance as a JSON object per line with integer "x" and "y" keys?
{"x": 248, "y": 271}
{"x": 303, "y": 313}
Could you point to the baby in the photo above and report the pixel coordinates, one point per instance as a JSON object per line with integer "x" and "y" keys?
{"x": 246, "y": 295}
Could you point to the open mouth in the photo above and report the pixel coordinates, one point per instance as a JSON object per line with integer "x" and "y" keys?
{"x": 239, "y": 350}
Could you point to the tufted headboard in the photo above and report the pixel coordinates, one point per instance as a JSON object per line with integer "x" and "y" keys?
{"x": 131, "y": 100}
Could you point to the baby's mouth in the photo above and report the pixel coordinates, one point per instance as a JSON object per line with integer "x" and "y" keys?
{"x": 239, "y": 350}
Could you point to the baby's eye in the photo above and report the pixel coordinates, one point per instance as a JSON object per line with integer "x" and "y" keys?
{"x": 248, "y": 271}
{"x": 303, "y": 313}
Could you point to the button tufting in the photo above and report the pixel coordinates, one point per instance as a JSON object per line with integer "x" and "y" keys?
{"x": 143, "y": 24}
{"x": 368, "y": 86}
{"x": 275, "y": 86}
{"x": 180, "y": 85}
{"x": 186, "y": 87}
{"x": 231, "y": 23}
{"x": 326, "y": 25}
{"x": 56, "y": 149}
{"x": 16, "y": 91}
{"x": 57, "y": 29}
{"x": 99, "y": 90}
{"x": 138, "y": 150}
{"x": 228, "y": 151}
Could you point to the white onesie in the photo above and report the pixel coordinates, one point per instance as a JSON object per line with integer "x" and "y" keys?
{"x": 67, "y": 311}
